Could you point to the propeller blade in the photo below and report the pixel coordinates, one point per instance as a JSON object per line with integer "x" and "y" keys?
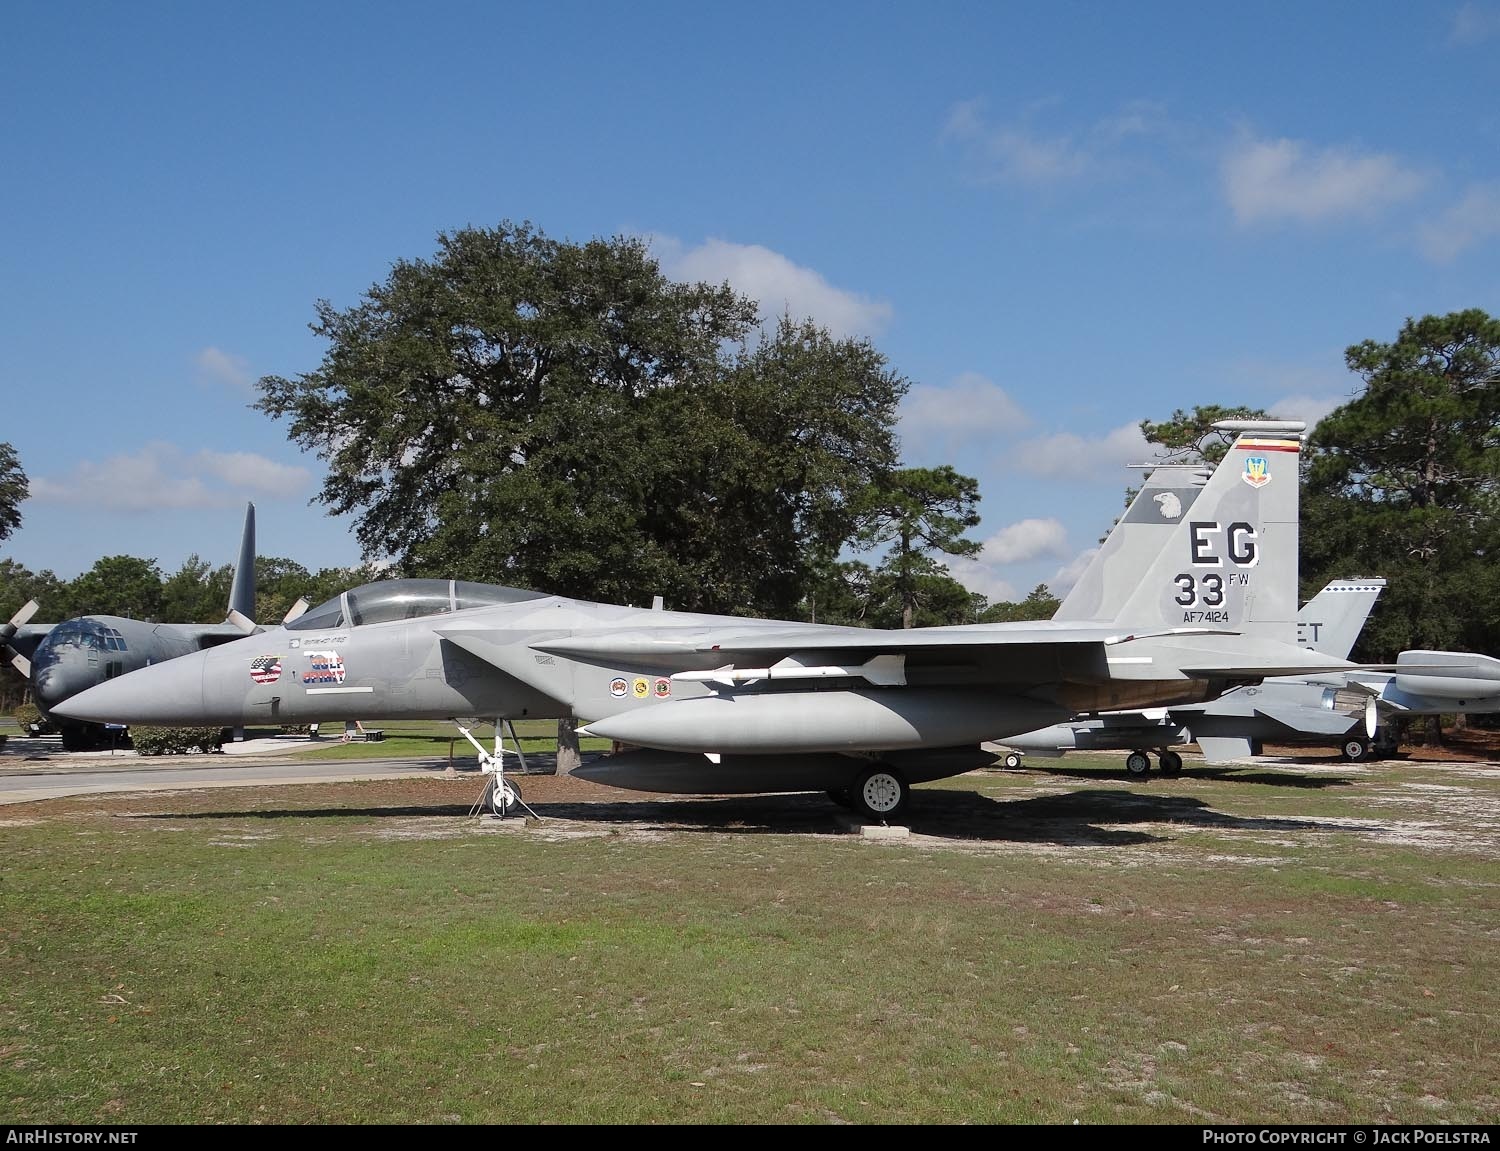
{"x": 242, "y": 621}
{"x": 17, "y": 621}
{"x": 20, "y": 663}
{"x": 296, "y": 610}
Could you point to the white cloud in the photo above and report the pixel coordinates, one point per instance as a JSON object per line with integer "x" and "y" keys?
{"x": 970, "y": 408}
{"x": 1016, "y": 543}
{"x": 1473, "y": 24}
{"x": 162, "y": 476}
{"x": 1016, "y": 152}
{"x": 1270, "y": 180}
{"x": 1026, "y": 540}
{"x": 1471, "y": 221}
{"x": 1010, "y": 154}
{"x": 977, "y": 577}
{"x": 1069, "y": 456}
{"x": 1306, "y": 389}
{"x": 776, "y": 282}
{"x": 220, "y": 367}
{"x": 1071, "y": 572}
{"x": 1309, "y": 409}
{"x": 252, "y": 473}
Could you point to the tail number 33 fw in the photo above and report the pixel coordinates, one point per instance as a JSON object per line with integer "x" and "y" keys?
{"x": 1221, "y": 558}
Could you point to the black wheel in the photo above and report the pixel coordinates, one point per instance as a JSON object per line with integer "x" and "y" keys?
{"x": 1171, "y": 763}
{"x": 841, "y": 796}
{"x": 1356, "y": 749}
{"x": 1012, "y": 759}
{"x": 75, "y": 738}
{"x": 880, "y": 793}
{"x": 1138, "y": 763}
{"x": 505, "y": 797}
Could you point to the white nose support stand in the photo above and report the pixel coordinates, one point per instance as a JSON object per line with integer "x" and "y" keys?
{"x": 502, "y": 796}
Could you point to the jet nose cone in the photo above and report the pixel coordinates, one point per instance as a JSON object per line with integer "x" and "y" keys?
{"x": 166, "y": 693}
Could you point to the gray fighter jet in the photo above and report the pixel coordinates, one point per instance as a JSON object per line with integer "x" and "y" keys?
{"x": 1287, "y": 710}
{"x": 1318, "y": 710}
{"x": 81, "y": 653}
{"x": 723, "y": 705}
{"x": 1349, "y": 710}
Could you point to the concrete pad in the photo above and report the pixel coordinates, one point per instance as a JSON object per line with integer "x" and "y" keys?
{"x": 276, "y": 745}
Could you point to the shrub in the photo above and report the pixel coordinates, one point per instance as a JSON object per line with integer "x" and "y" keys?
{"x": 28, "y": 716}
{"x": 175, "y": 740}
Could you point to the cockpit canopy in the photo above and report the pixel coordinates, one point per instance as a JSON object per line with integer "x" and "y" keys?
{"x": 405, "y": 599}
{"x": 87, "y": 633}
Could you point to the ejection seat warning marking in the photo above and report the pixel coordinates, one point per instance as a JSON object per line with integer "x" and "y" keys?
{"x": 640, "y": 688}
{"x": 618, "y": 687}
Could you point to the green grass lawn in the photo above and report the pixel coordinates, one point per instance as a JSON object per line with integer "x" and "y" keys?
{"x": 1050, "y": 946}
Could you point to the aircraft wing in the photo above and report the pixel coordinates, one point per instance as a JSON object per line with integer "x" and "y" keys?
{"x": 813, "y": 637}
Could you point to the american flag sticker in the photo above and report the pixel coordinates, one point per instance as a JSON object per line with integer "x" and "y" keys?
{"x": 266, "y": 669}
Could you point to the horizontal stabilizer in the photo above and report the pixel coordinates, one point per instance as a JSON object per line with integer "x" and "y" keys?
{"x": 1251, "y": 671}
{"x": 1223, "y": 749}
{"x": 1311, "y": 720}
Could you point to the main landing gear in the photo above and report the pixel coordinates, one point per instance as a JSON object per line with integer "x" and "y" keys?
{"x": 1138, "y": 763}
{"x": 879, "y": 792}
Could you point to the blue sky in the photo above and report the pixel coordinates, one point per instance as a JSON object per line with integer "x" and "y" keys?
{"x": 1055, "y": 219}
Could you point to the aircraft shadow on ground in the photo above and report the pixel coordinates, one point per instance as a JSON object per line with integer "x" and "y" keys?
{"x": 1229, "y": 774}
{"x": 403, "y": 812}
{"x": 1087, "y": 818}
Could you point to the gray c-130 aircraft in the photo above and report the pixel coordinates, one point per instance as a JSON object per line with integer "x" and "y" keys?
{"x": 80, "y": 653}
{"x": 726, "y": 705}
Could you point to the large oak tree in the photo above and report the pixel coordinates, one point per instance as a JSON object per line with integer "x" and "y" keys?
{"x": 562, "y": 416}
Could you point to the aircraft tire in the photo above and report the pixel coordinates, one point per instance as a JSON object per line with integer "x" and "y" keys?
{"x": 1171, "y": 763}
{"x": 880, "y": 793}
{"x": 1138, "y": 763}
{"x": 1012, "y": 759}
{"x": 505, "y": 798}
{"x": 1355, "y": 749}
{"x": 76, "y": 738}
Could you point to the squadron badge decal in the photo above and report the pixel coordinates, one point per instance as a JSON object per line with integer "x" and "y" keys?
{"x": 1257, "y": 471}
{"x": 266, "y": 669}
